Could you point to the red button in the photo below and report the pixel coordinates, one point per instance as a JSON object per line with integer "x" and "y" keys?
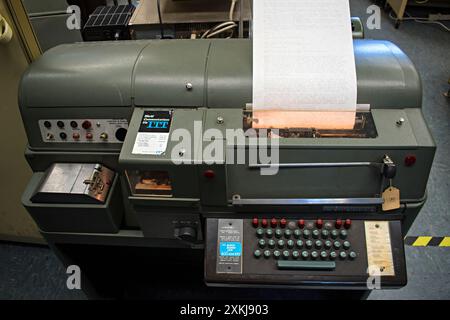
{"x": 86, "y": 125}
{"x": 255, "y": 222}
{"x": 347, "y": 223}
{"x": 76, "y": 136}
{"x": 273, "y": 222}
{"x": 264, "y": 223}
{"x": 301, "y": 223}
{"x": 319, "y": 223}
{"x": 89, "y": 136}
{"x": 209, "y": 174}
{"x": 410, "y": 160}
{"x": 283, "y": 223}
{"x": 338, "y": 224}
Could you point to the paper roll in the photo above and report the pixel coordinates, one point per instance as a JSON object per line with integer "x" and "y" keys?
{"x": 5, "y": 31}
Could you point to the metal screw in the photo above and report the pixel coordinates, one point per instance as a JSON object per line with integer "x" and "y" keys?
{"x": 400, "y": 121}
{"x": 182, "y": 152}
{"x": 220, "y": 120}
{"x": 189, "y": 86}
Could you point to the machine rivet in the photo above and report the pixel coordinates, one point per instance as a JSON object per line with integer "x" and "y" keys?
{"x": 400, "y": 121}
{"x": 189, "y": 86}
{"x": 182, "y": 152}
{"x": 220, "y": 120}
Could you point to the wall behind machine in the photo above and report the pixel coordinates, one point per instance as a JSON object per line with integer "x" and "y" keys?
{"x": 15, "y": 223}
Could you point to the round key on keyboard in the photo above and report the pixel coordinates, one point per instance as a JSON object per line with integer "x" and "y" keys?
{"x": 318, "y": 244}
{"x": 328, "y": 244}
{"x": 297, "y": 233}
{"x": 352, "y": 255}
{"x": 336, "y": 244}
{"x": 257, "y": 254}
{"x": 287, "y": 233}
{"x": 290, "y": 244}
{"x": 342, "y": 255}
{"x": 325, "y": 234}
{"x": 306, "y": 234}
{"x": 346, "y": 245}
{"x": 269, "y": 233}
{"x": 324, "y": 255}
{"x": 267, "y": 254}
{"x": 314, "y": 254}
{"x": 295, "y": 254}
{"x": 286, "y": 254}
{"x": 309, "y": 244}
{"x": 271, "y": 243}
{"x": 276, "y": 254}
{"x": 262, "y": 243}
{"x": 280, "y": 244}
{"x": 315, "y": 234}
{"x": 305, "y": 254}
{"x": 299, "y": 244}
{"x": 333, "y": 255}
{"x": 278, "y": 233}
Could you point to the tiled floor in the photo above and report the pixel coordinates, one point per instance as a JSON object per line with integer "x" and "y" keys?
{"x": 34, "y": 272}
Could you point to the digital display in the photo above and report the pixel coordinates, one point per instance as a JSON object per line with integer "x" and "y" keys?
{"x": 158, "y": 124}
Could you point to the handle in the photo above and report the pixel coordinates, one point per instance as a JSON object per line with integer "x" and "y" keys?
{"x": 5, "y": 31}
{"x": 237, "y": 201}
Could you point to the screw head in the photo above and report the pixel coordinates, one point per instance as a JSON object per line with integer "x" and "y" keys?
{"x": 400, "y": 121}
{"x": 189, "y": 86}
{"x": 220, "y": 120}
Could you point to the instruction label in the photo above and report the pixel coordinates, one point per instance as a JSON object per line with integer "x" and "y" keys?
{"x": 153, "y": 135}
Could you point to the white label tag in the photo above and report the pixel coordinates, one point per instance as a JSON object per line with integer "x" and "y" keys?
{"x": 151, "y": 143}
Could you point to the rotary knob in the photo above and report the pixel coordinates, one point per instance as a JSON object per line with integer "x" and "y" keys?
{"x": 186, "y": 234}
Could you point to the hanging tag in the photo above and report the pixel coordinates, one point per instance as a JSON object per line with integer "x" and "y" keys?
{"x": 391, "y": 197}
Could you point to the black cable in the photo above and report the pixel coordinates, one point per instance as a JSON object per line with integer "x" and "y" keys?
{"x": 160, "y": 19}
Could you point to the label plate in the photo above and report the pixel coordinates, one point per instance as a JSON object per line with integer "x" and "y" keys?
{"x": 153, "y": 135}
{"x": 229, "y": 246}
{"x": 379, "y": 249}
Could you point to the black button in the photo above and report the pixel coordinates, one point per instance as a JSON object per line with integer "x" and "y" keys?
{"x": 48, "y": 124}
{"x": 74, "y": 124}
{"x": 63, "y": 135}
{"x": 121, "y": 134}
{"x": 60, "y": 124}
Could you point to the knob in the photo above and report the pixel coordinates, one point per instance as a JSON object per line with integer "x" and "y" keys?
{"x": 315, "y": 234}
{"x": 255, "y": 222}
{"x": 318, "y": 244}
{"x": 278, "y": 233}
{"x": 86, "y": 124}
{"x": 259, "y": 232}
{"x": 271, "y": 243}
{"x": 273, "y": 223}
{"x": 186, "y": 234}
{"x": 306, "y": 234}
{"x": 276, "y": 254}
{"x": 264, "y": 223}
{"x": 290, "y": 244}
{"x": 333, "y": 255}
{"x": 262, "y": 243}
{"x": 50, "y": 136}
{"x": 301, "y": 223}
{"x": 334, "y": 234}
{"x": 283, "y": 222}
{"x": 104, "y": 136}
{"x": 319, "y": 223}
{"x": 287, "y": 233}
{"x": 347, "y": 224}
{"x": 338, "y": 224}
{"x": 346, "y": 245}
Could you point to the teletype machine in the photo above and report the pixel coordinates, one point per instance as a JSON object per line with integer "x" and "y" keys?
{"x": 101, "y": 120}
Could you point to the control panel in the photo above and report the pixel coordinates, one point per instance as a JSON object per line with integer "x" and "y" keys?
{"x": 304, "y": 252}
{"x": 83, "y": 130}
